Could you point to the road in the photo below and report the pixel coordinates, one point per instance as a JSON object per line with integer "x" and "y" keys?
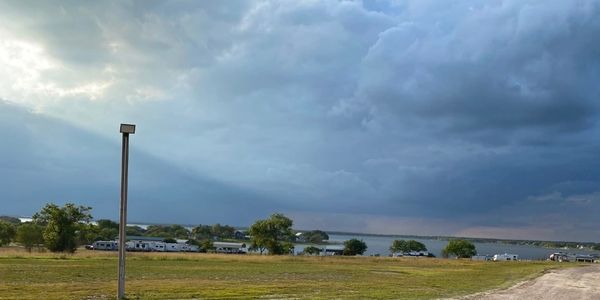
{"x": 572, "y": 283}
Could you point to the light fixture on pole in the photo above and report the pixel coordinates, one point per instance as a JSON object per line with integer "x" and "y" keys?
{"x": 126, "y": 130}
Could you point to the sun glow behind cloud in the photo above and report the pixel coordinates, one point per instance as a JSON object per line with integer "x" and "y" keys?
{"x": 31, "y": 77}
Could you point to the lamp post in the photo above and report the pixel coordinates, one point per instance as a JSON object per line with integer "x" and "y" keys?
{"x": 126, "y": 130}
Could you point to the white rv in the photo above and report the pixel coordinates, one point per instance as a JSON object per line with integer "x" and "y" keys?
{"x": 227, "y": 247}
{"x": 158, "y": 246}
{"x": 505, "y": 257}
{"x": 173, "y": 247}
{"x": 142, "y": 246}
{"x": 105, "y": 245}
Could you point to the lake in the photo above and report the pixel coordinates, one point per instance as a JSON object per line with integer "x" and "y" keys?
{"x": 381, "y": 244}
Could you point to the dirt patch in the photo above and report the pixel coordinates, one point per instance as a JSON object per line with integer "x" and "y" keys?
{"x": 572, "y": 283}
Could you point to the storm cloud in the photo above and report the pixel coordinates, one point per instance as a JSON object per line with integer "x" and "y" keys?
{"x": 463, "y": 117}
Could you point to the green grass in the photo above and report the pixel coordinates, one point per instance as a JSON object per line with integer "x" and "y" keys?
{"x": 92, "y": 275}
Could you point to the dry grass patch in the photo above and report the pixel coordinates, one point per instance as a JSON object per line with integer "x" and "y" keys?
{"x": 92, "y": 275}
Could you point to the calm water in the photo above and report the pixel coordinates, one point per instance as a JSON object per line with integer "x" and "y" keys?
{"x": 380, "y": 245}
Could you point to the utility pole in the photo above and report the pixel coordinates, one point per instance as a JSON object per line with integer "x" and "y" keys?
{"x": 126, "y": 129}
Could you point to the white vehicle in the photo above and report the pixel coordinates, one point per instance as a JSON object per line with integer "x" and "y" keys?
{"x": 142, "y": 246}
{"x": 158, "y": 246}
{"x": 227, "y": 247}
{"x": 105, "y": 245}
{"x": 173, "y": 247}
{"x": 505, "y": 257}
{"x": 481, "y": 257}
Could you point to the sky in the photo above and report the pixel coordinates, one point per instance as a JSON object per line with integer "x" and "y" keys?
{"x": 462, "y": 118}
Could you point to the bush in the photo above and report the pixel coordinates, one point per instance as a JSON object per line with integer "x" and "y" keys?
{"x": 312, "y": 250}
{"x": 354, "y": 247}
{"x": 460, "y": 249}
{"x": 29, "y": 235}
{"x": 7, "y": 233}
{"x": 402, "y": 246}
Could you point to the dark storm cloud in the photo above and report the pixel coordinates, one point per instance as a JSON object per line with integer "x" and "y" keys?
{"x": 394, "y": 111}
{"x": 45, "y": 160}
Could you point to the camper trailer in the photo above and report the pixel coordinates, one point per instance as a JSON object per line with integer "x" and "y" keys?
{"x": 105, "y": 245}
{"x": 140, "y": 246}
{"x": 505, "y": 257}
{"x": 227, "y": 247}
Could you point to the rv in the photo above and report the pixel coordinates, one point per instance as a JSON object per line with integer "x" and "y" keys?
{"x": 141, "y": 246}
{"x": 173, "y": 247}
{"x": 227, "y": 247}
{"x": 505, "y": 257}
{"x": 105, "y": 245}
{"x": 481, "y": 257}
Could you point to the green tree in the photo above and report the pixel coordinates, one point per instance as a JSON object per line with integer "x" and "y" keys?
{"x": 312, "y": 250}
{"x": 7, "y": 233}
{"x": 62, "y": 225}
{"x": 206, "y": 246}
{"x": 402, "y": 246}
{"x": 202, "y": 232}
{"x": 168, "y": 231}
{"x": 134, "y": 230}
{"x": 223, "y": 231}
{"x": 460, "y": 249}
{"x": 108, "y": 224}
{"x": 273, "y": 234}
{"x": 29, "y": 235}
{"x": 87, "y": 234}
{"x": 12, "y": 220}
{"x": 315, "y": 236}
{"x": 354, "y": 247}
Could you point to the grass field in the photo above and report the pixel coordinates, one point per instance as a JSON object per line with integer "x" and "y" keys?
{"x": 92, "y": 275}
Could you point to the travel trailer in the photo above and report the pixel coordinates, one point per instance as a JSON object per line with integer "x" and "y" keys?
{"x": 505, "y": 257}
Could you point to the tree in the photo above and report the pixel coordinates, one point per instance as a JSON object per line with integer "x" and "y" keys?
{"x": 168, "y": 231}
{"x": 134, "y": 230}
{"x": 354, "y": 247}
{"x": 402, "y": 246}
{"x": 29, "y": 235}
{"x": 107, "y": 224}
{"x": 273, "y": 234}
{"x": 7, "y": 233}
{"x": 62, "y": 225}
{"x": 222, "y": 231}
{"x": 312, "y": 250}
{"x": 459, "y": 248}
{"x": 88, "y": 233}
{"x": 107, "y": 233}
{"x": 315, "y": 236}
{"x": 202, "y": 232}
{"x": 218, "y": 231}
{"x": 206, "y": 246}
{"x": 12, "y": 220}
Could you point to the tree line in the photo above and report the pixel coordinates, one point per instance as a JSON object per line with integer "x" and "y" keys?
{"x": 63, "y": 229}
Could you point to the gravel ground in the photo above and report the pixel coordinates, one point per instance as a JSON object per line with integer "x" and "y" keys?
{"x": 572, "y": 283}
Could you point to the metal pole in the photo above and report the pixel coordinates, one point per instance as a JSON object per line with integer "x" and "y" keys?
{"x": 123, "y": 218}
